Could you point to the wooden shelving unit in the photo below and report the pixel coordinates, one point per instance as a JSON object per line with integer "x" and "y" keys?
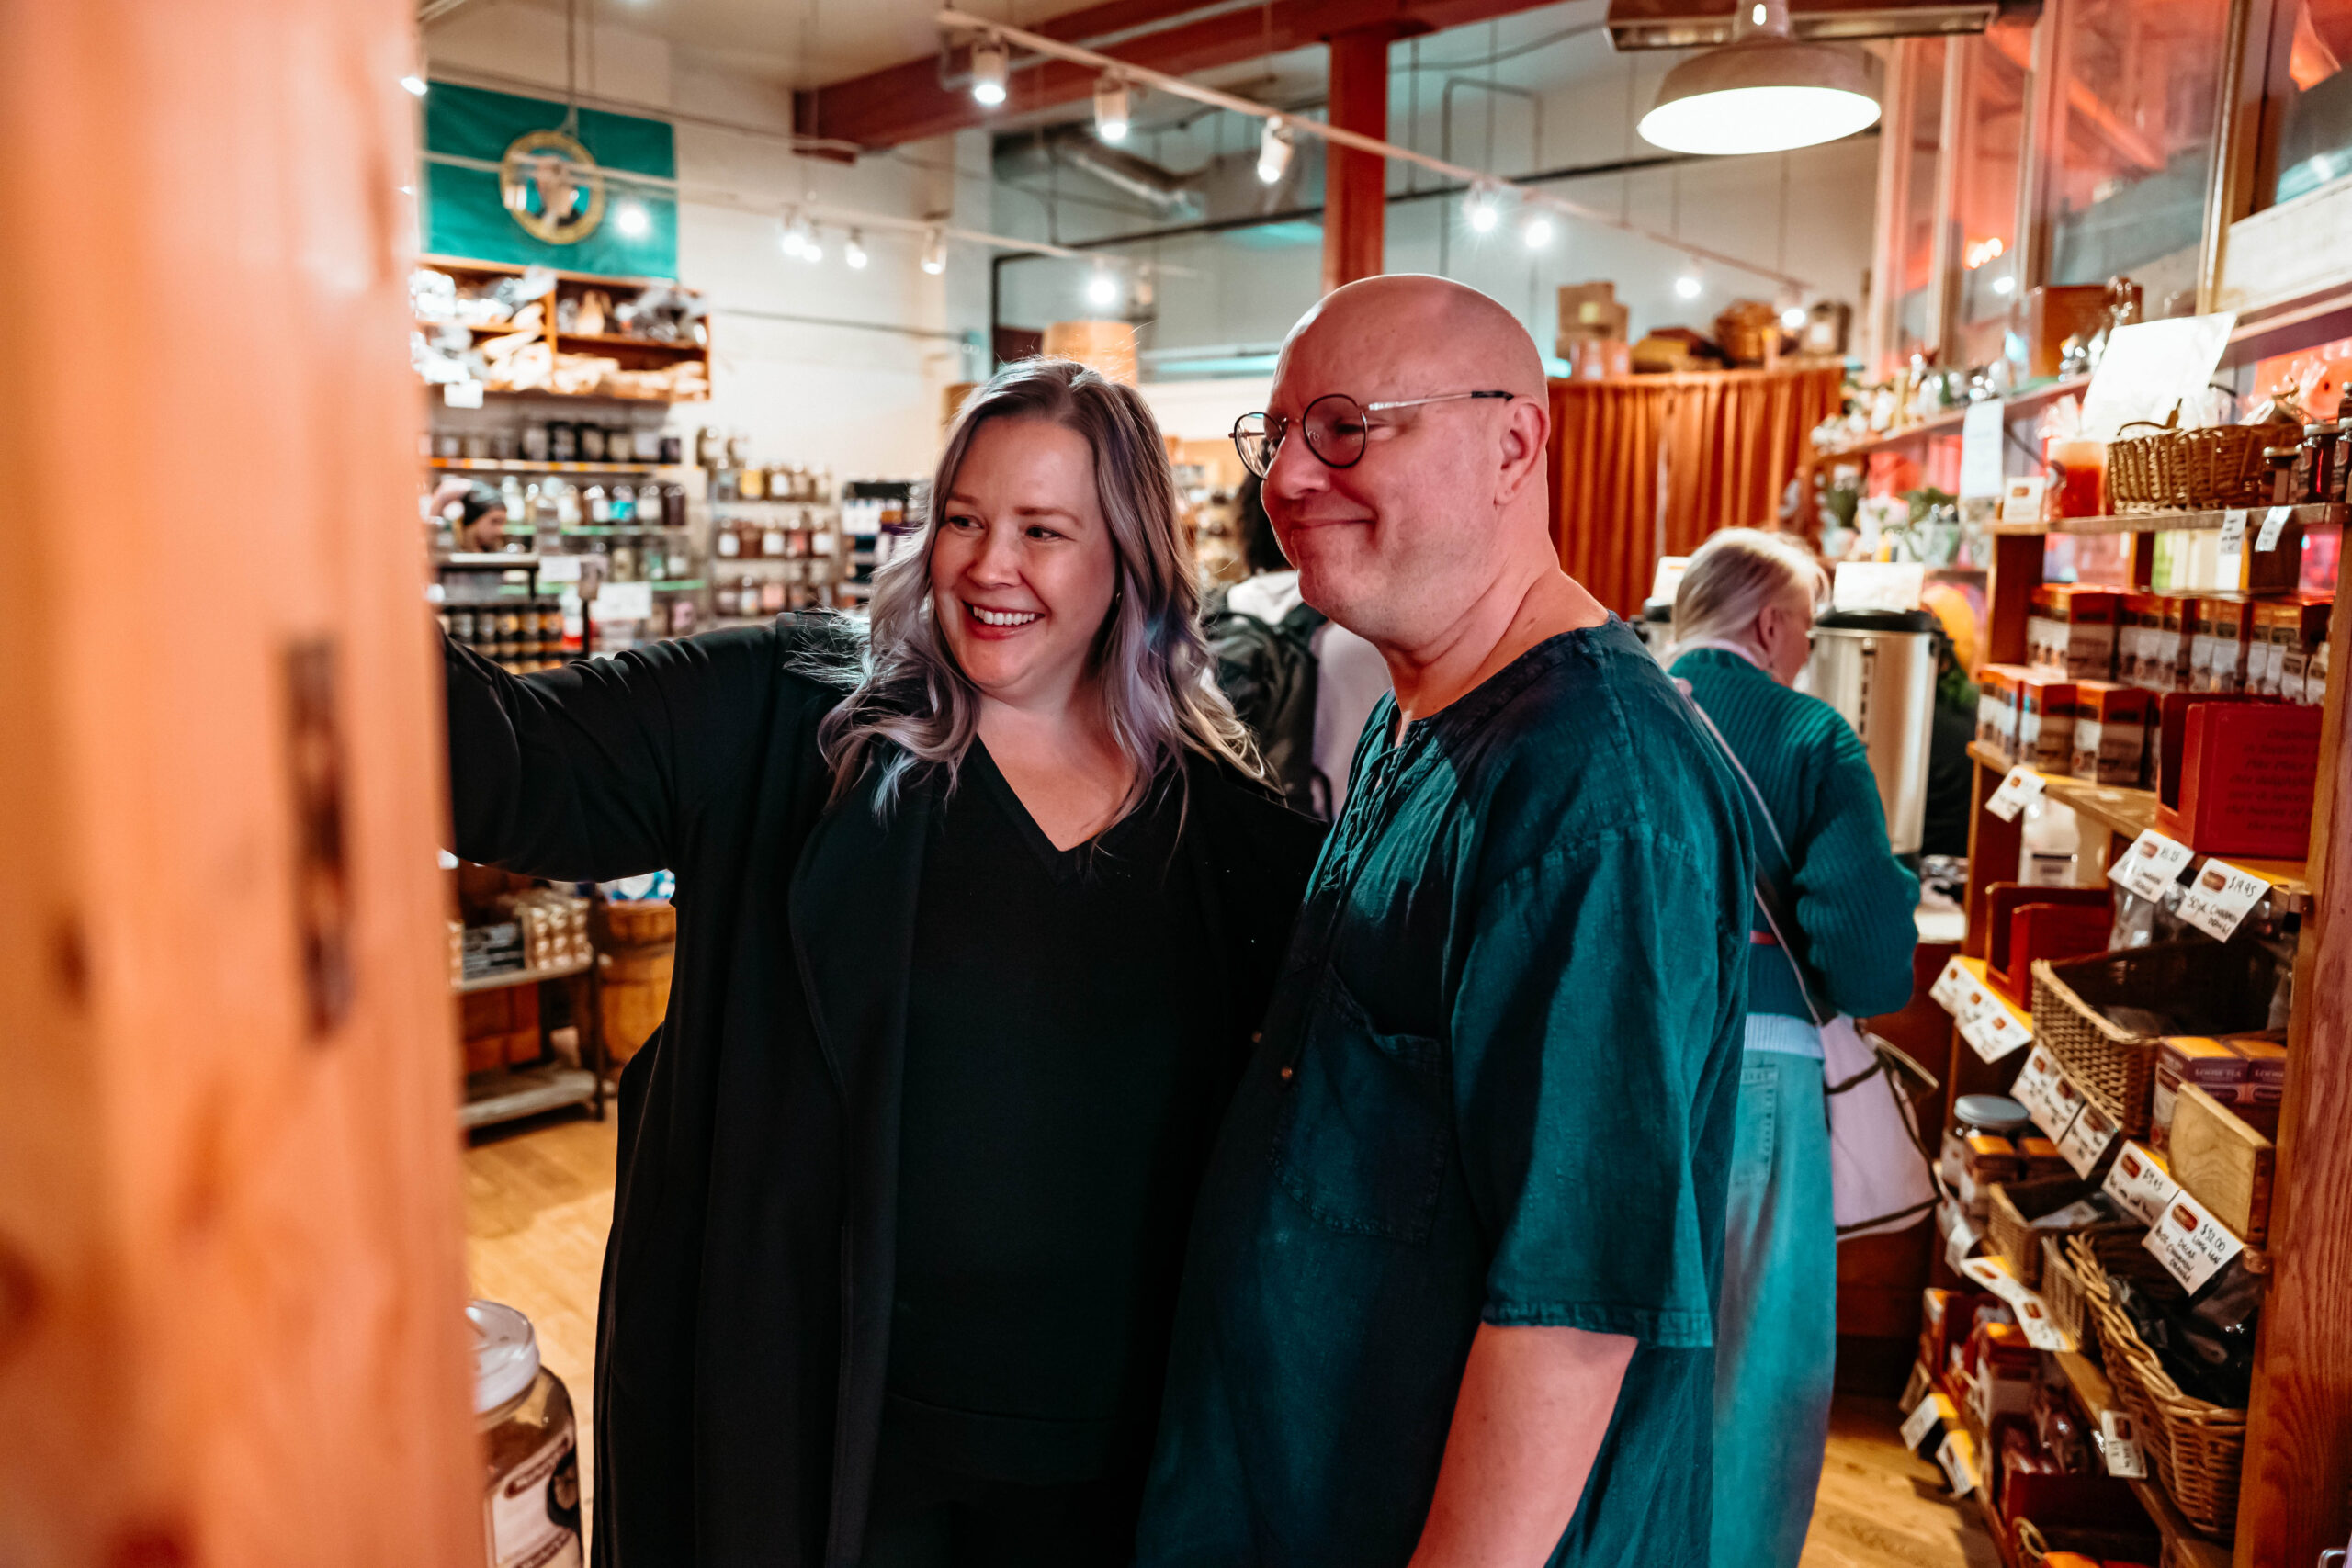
{"x": 1949, "y": 423}
{"x": 2184, "y": 1547}
{"x": 632, "y": 352}
{"x": 517, "y": 465}
{"x": 2299, "y": 1449}
{"x": 2175, "y": 522}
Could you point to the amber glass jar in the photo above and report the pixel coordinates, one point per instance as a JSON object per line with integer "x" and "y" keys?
{"x": 530, "y": 1508}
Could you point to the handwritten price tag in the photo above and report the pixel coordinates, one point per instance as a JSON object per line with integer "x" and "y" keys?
{"x": 1994, "y": 1031}
{"x": 2042, "y": 1088}
{"x": 2233, "y": 523}
{"x": 2031, "y": 1313}
{"x": 2016, "y": 793}
{"x": 1951, "y": 986}
{"x": 2220, "y": 897}
{"x": 2274, "y": 523}
{"x": 1931, "y": 1412}
{"x": 2087, "y": 1138}
{"x": 2151, "y": 864}
{"x": 2190, "y": 1243}
{"x": 1961, "y": 1237}
{"x": 1958, "y": 1456}
{"x": 2120, "y": 1446}
{"x": 2140, "y": 1184}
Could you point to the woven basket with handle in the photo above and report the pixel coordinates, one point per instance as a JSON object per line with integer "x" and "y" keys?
{"x": 2204, "y": 987}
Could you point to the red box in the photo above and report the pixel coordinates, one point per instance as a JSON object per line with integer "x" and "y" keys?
{"x": 2071, "y": 631}
{"x": 2245, "y": 780}
{"x": 1997, "y": 707}
{"x": 2026, "y": 923}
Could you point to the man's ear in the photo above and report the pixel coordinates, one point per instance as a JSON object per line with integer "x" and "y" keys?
{"x": 1527, "y": 433}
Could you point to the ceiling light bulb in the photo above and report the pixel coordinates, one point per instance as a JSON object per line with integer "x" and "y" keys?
{"x": 1688, "y": 286}
{"x": 1103, "y": 290}
{"x": 2005, "y": 284}
{"x": 935, "y": 253}
{"x": 631, "y": 219}
{"x": 1536, "y": 231}
{"x": 988, "y": 63}
{"x": 795, "y": 236}
{"x": 1273, "y": 153}
{"x": 1793, "y": 318}
{"x": 814, "y": 251}
{"x": 1763, "y": 92}
{"x": 1481, "y": 208}
{"x": 415, "y": 83}
{"x": 853, "y": 249}
{"x": 1110, "y": 108}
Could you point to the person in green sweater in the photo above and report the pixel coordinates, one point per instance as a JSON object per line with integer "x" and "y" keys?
{"x": 1743, "y": 620}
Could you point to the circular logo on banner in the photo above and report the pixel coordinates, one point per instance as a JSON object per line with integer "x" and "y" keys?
{"x": 552, "y": 188}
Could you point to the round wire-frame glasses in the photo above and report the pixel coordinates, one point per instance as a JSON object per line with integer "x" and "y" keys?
{"x": 1335, "y": 425}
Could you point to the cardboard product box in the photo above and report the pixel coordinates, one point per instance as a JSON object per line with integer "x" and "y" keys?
{"x": 1583, "y": 303}
{"x": 1596, "y": 318}
{"x": 2163, "y": 652}
{"x": 1660, "y": 355}
{"x": 2045, "y": 705}
{"x": 2296, "y": 627}
{"x": 2189, "y": 1059}
{"x": 1997, "y": 707}
{"x": 2266, "y": 1068}
{"x": 1596, "y": 358}
{"x": 2072, "y": 630}
{"x": 2221, "y": 638}
{"x": 2041, "y": 1157}
{"x": 2242, "y": 781}
{"x": 2111, "y": 732}
{"x": 2223, "y": 1162}
{"x": 2022, "y": 498}
{"x": 2136, "y": 623}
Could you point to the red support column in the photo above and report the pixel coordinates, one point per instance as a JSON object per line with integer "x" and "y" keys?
{"x": 1355, "y": 194}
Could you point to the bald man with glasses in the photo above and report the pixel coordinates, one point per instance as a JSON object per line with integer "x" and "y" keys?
{"x": 1449, "y": 1294}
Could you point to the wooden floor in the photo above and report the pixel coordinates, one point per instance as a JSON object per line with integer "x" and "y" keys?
{"x": 539, "y": 1202}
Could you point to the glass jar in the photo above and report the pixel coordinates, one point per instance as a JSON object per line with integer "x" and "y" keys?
{"x": 2337, "y": 486}
{"x": 710, "y": 451}
{"x": 725, "y": 542}
{"x": 1974, "y": 1115}
{"x": 563, "y": 441}
{"x": 530, "y": 1446}
{"x": 2282, "y": 462}
{"x": 2318, "y": 457}
{"x": 751, "y": 484}
{"x": 534, "y": 444}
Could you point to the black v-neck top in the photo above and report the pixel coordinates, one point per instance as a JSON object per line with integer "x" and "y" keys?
{"x": 1064, "y": 1079}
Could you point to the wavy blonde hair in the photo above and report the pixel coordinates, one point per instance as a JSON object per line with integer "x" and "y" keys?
{"x": 915, "y": 709}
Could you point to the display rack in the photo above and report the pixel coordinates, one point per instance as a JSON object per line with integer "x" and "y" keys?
{"x": 510, "y": 1094}
{"x": 632, "y": 352}
{"x": 2298, "y": 1450}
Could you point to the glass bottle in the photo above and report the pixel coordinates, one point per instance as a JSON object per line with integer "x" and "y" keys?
{"x": 530, "y": 1444}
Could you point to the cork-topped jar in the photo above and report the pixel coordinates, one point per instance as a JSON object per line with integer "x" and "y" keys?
{"x": 530, "y": 1447}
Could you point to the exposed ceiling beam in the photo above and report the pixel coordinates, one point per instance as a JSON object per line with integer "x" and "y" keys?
{"x": 909, "y": 102}
{"x": 1688, "y": 24}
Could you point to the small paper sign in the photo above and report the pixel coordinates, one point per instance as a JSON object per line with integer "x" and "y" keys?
{"x": 2087, "y": 1138}
{"x": 2030, "y": 1311}
{"x": 2219, "y": 899}
{"x": 1951, "y": 986}
{"x": 560, "y": 568}
{"x": 1980, "y": 450}
{"x": 2152, "y": 864}
{"x": 2190, "y": 1243}
{"x": 1960, "y": 1236}
{"x": 1995, "y": 1032}
{"x": 2274, "y": 523}
{"x": 2233, "y": 530}
{"x": 2016, "y": 791}
{"x": 2140, "y": 1185}
{"x": 1923, "y": 1419}
{"x": 2042, "y": 1089}
{"x": 2120, "y": 1446}
{"x": 462, "y": 394}
{"x": 623, "y": 601}
{"x": 1957, "y": 1455}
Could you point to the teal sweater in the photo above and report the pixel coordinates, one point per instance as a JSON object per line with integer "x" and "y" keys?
{"x": 1852, "y": 897}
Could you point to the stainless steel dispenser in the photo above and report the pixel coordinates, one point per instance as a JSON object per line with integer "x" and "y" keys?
{"x": 1878, "y": 669}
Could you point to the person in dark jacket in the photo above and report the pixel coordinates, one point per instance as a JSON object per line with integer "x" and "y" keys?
{"x": 1743, "y": 628}
{"x": 976, "y": 917}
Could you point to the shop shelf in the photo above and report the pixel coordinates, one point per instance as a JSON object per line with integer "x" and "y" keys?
{"x": 623, "y": 340}
{"x": 499, "y": 328}
{"x": 2184, "y": 1548}
{"x": 507, "y": 977}
{"x": 2130, "y": 812}
{"x": 493, "y": 560}
{"x": 677, "y": 584}
{"x": 2171, "y": 521}
{"x": 514, "y": 466}
{"x": 1975, "y": 967}
{"x": 1949, "y": 423}
{"x": 492, "y": 1098}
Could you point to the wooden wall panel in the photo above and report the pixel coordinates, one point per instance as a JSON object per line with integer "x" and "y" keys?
{"x": 231, "y": 1278}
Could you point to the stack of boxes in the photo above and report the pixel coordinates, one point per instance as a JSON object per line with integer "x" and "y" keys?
{"x": 1595, "y": 331}
{"x": 2245, "y": 1072}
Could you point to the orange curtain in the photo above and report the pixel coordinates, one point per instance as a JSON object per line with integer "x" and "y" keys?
{"x": 1649, "y": 465}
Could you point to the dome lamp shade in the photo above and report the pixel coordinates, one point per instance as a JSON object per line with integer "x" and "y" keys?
{"x": 1763, "y": 92}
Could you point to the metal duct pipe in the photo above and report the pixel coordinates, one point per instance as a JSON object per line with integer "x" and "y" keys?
{"x": 1164, "y": 191}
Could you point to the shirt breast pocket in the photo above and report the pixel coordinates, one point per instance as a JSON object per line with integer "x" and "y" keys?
{"x": 1366, "y": 1122}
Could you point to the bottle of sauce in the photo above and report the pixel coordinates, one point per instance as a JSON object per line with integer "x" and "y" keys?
{"x": 530, "y": 1511}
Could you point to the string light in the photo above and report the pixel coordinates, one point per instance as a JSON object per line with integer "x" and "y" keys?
{"x": 1103, "y": 288}
{"x": 1273, "y": 153}
{"x": 1481, "y": 208}
{"x": 1110, "y": 108}
{"x": 990, "y": 60}
{"x": 797, "y": 237}
{"x": 853, "y": 249}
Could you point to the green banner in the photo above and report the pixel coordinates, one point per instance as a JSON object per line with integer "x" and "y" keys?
{"x": 638, "y": 235}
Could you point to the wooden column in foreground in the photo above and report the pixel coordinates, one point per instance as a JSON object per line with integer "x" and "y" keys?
{"x": 231, "y": 1277}
{"x": 1355, "y": 185}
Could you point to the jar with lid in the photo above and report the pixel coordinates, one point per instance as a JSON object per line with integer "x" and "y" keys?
{"x": 624, "y": 503}
{"x": 771, "y": 538}
{"x": 738, "y": 450}
{"x": 646, "y": 445}
{"x": 671, "y": 451}
{"x": 2280, "y": 463}
{"x": 2338, "y": 470}
{"x": 530, "y": 1447}
{"x": 725, "y": 542}
{"x": 2313, "y": 458}
{"x": 710, "y": 451}
{"x": 1994, "y": 1116}
{"x": 563, "y": 441}
{"x": 751, "y": 484}
{"x": 592, "y": 443}
{"x": 534, "y": 444}
{"x": 477, "y": 446}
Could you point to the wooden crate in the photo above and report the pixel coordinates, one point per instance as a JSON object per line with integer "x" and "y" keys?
{"x": 2225, "y": 1165}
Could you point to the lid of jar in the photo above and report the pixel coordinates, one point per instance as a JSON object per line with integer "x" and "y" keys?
{"x": 1997, "y": 1112}
{"x": 2319, "y": 429}
{"x": 507, "y": 1354}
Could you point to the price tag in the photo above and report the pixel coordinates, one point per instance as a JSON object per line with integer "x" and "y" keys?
{"x": 1960, "y": 1236}
{"x": 2031, "y": 1313}
{"x": 1951, "y": 986}
{"x": 462, "y": 394}
{"x": 1932, "y": 1411}
{"x": 2273, "y": 525}
{"x": 623, "y": 601}
{"x": 2087, "y": 1138}
{"x": 2233, "y": 530}
{"x": 2120, "y": 1446}
{"x": 2190, "y": 1243}
{"x": 2219, "y": 897}
{"x": 2140, "y": 1184}
{"x": 1994, "y": 1031}
{"x": 2016, "y": 791}
{"x": 1958, "y": 1456}
{"x": 2151, "y": 864}
{"x": 560, "y": 568}
{"x": 2037, "y": 1090}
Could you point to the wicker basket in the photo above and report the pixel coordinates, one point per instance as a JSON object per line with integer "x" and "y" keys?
{"x": 2131, "y": 478}
{"x": 2062, "y": 1290}
{"x": 2198, "y": 1446}
{"x": 2009, "y": 1224}
{"x": 2209, "y": 987}
{"x": 2224, "y": 466}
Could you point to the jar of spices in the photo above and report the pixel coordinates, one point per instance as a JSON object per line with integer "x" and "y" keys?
{"x": 709, "y": 449}
{"x": 592, "y": 443}
{"x": 530, "y": 1447}
{"x": 2315, "y": 459}
{"x": 1974, "y": 1115}
{"x": 563, "y": 441}
{"x": 2338, "y": 469}
{"x": 534, "y": 444}
{"x": 751, "y": 484}
{"x": 2282, "y": 462}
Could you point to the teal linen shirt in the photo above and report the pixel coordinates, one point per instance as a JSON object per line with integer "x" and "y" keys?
{"x": 1495, "y": 1085}
{"x": 1853, "y": 900}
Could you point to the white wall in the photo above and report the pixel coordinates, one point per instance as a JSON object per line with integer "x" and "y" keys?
{"x": 816, "y": 364}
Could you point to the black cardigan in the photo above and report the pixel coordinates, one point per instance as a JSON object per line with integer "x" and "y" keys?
{"x": 744, "y": 1327}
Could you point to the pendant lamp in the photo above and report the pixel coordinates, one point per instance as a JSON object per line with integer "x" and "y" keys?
{"x": 1763, "y": 92}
